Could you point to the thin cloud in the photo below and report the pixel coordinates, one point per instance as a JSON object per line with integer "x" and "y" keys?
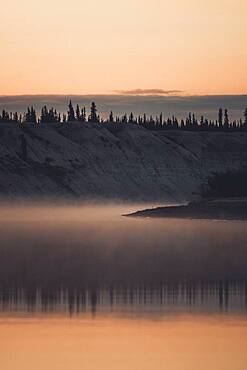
{"x": 148, "y": 92}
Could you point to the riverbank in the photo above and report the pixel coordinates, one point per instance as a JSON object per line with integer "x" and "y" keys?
{"x": 113, "y": 162}
{"x": 216, "y": 209}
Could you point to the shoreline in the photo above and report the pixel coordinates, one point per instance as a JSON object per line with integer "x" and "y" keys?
{"x": 213, "y": 209}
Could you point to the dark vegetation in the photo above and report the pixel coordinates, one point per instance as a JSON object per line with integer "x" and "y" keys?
{"x": 226, "y": 185}
{"x": 223, "y": 198}
{"x": 222, "y": 123}
{"x": 218, "y": 209}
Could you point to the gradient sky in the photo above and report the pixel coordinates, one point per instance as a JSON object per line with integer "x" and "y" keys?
{"x": 85, "y": 46}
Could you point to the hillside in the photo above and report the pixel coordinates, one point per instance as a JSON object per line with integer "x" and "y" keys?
{"x": 125, "y": 162}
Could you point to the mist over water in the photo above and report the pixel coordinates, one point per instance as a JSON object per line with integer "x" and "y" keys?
{"x": 90, "y": 257}
{"x": 83, "y": 287}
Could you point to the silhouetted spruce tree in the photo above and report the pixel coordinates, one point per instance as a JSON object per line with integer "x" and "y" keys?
{"x": 124, "y": 119}
{"x": 190, "y": 119}
{"x": 245, "y": 118}
{"x": 78, "y": 113}
{"x": 33, "y": 115}
{"x": 57, "y": 116}
{"x": 44, "y": 115}
{"x": 194, "y": 121}
{"x": 139, "y": 121}
{"x": 202, "y": 122}
{"x": 144, "y": 119}
{"x": 111, "y": 119}
{"x": 176, "y": 126}
{"x": 131, "y": 118}
{"x": 161, "y": 120}
{"x": 30, "y": 116}
{"x": 83, "y": 114}
{"x": 173, "y": 121}
{"x": 50, "y": 116}
{"x": 64, "y": 118}
{"x": 5, "y": 116}
{"x": 53, "y": 117}
{"x": 71, "y": 113}
{"x": 93, "y": 115}
{"x": 226, "y": 119}
{"x": 189, "y": 122}
{"x": 151, "y": 123}
{"x": 15, "y": 118}
{"x": 220, "y": 118}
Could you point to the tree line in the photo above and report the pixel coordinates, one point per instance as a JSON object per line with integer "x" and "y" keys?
{"x": 79, "y": 114}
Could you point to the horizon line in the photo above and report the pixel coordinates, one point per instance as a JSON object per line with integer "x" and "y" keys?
{"x": 122, "y": 95}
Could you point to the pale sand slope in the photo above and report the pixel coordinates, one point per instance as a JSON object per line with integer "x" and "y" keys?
{"x": 119, "y": 162}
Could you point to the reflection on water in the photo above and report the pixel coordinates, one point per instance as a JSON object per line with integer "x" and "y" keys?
{"x": 116, "y": 343}
{"x": 90, "y": 258}
{"x": 164, "y": 294}
{"x": 168, "y": 298}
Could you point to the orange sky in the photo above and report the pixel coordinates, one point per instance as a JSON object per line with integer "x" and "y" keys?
{"x": 77, "y": 47}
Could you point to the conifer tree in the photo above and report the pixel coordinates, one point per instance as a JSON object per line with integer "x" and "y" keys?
{"x": 124, "y": 119}
{"x": 144, "y": 119}
{"x": 33, "y": 115}
{"x": 190, "y": 119}
{"x": 78, "y": 113}
{"x": 111, "y": 119}
{"x": 131, "y": 118}
{"x": 71, "y": 113}
{"x": 202, "y": 122}
{"x": 245, "y": 118}
{"x": 93, "y": 116}
{"x": 30, "y": 116}
{"x": 44, "y": 114}
{"x": 83, "y": 115}
{"x": 15, "y": 118}
{"x": 226, "y": 119}
{"x": 220, "y": 117}
{"x": 161, "y": 119}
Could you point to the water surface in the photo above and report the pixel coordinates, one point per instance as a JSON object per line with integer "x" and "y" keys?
{"x": 83, "y": 287}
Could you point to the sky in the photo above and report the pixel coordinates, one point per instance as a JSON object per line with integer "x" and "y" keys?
{"x": 191, "y": 47}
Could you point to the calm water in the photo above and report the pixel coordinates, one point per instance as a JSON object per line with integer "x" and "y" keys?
{"x": 83, "y": 287}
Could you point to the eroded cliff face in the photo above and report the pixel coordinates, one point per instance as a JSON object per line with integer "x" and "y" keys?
{"x": 113, "y": 162}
